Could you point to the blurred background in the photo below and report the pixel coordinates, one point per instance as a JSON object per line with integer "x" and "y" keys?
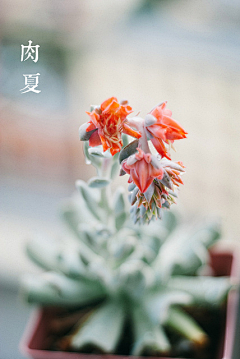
{"x": 148, "y": 51}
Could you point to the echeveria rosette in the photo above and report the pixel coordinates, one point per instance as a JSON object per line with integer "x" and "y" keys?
{"x": 107, "y": 123}
{"x": 112, "y": 272}
{"x": 162, "y": 127}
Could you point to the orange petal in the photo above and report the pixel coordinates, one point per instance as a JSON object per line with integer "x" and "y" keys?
{"x": 158, "y": 131}
{"x": 135, "y": 178}
{"x": 104, "y": 143}
{"x": 161, "y": 110}
{"x": 157, "y": 112}
{"x": 124, "y": 110}
{"x": 112, "y": 108}
{"x": 90, "y": 127}
{"x": 168, "y": 121}
{"x": 94, "y": 140}
{"x": 107, "y": 102}
{"x": 159, "y": 145}
{"x": 174, "y": 135}
{"x": 116, "y": 147}
{"x": 156, "y": 172}
{"x": 149, "y": 182}
{"x": 129, "y": 131}
{"x": 94, "y": 117}
{"x": 143, "y": 174}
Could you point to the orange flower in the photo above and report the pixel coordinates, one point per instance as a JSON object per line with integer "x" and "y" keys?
{"x": 164, "y": 129}
{"x": 143, "y": 169}
{"x": 109, "y": 121}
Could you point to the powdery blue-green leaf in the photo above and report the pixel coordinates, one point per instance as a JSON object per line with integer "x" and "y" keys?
{"x": 88, "y": 234}
{"x": 135, "y": 277}
{"x": 72, "y": 217}
{"x": 186, "y": 326}
{"x": 158, "y": 302}
{"x": 88, "y": 198}
{"x": 83, "y": 134}
{"x": 94, "y": 236}
{"x": 102, "y": 330}
{"x": 118, "y": 201}
{"x": 120, "y": 220}
{"x": 94, "y": 160}
{"x": 122, "y": 246}
{"x": 125, "y": 139}
{"x": 114, "y": 169}
{"x": 206, "y": 291}
{"x": 180, "y": 254}
{"x": 115, "y": 166}
{"x": 129, "y": 150}
{"x": 170, "y": 220}
{"x": 207, "y": 233}
{"x": 97, "y": 182}
{"x": 52, "y": 255}
{"x": 186, "y": 249}
{"x": 150, "y": 338}
{"x": 166, "y": 180}
{"x": 133, "y": 196}
{"x": 98, "y": 152}
{"x": 52, "y": 288}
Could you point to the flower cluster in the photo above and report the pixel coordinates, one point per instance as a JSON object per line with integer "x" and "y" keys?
{"x": 161, "y": 127}
{"x": 153, "y": 178}
{"x": 107, "y": 123}
{"x": 160, "y": 194}
{"x": 143, "y": 169}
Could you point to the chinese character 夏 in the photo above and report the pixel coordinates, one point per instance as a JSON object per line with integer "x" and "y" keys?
{"x": 31, "y": 83}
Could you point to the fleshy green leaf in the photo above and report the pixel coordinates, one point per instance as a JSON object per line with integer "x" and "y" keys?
{"x": 185, "y": 252}
{"x": 98, "y": 152}
{"x": 55, "y": 289}
{"x": 120, "y": 220}
{"x": 114, "y": 169}
{"x": 120, "y": 248}
{"x": 94, "y": 160}
{"x": 204, "y": 290}
{"x": 135, "y": 277}
{"x": 150, "y": 339}
{"x": 186, "y": 326}
{"x": 52, "y": 255}
{"x": 118, "y": 201}
{"x": 97, "y": 182}
{"x": 88, "y": 198}
{"x": 83, "y": 134}
{"x": 129, "y": 150}
{"x": 102, "y": 330}
{"x": 125, "y": 139}
{"x": 157, "y": 303}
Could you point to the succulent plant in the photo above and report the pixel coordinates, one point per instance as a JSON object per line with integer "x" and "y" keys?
{"x": 124, "y": 272}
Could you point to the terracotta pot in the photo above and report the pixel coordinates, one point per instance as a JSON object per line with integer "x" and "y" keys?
{"x": 36, "y": 338}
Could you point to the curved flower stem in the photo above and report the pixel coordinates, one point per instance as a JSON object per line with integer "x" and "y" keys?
{"x": 138, "y": 123}
{"x": 143, "y": 142}
{"x": 106, "y": 191}
{"x": 104, "y": 201}
{"x": 106, "y": 167}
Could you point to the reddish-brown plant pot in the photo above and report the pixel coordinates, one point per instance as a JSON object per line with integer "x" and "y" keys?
{"x": 37, "y": 335}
